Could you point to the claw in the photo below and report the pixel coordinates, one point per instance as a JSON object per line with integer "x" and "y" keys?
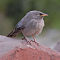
{"x": 28, "y": 42}
{"x": 35, "y": 42}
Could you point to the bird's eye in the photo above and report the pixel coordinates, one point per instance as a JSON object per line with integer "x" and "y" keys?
{"x": 41, "y": 14}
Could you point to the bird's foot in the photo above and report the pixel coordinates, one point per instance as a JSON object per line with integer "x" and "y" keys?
{"x": 23, "y": 38}
{"x": 35, "y": 42}
{"x": 28, "y": 42}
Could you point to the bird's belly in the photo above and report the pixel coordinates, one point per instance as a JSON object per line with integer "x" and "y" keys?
{"x": 33, "y": 29}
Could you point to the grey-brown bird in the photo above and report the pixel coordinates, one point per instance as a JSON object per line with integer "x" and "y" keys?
{"x": 30, "y": 25}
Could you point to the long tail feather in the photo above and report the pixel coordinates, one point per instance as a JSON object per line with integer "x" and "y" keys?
{"x": 13, "y": 33}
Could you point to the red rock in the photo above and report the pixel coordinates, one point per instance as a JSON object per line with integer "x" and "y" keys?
{"x": 31, "y": 52}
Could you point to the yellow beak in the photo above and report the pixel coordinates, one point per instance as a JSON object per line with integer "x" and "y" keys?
{"x": 44, "y": 15}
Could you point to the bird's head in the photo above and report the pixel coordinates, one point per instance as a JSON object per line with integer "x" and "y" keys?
{"x": 37, "y": 14}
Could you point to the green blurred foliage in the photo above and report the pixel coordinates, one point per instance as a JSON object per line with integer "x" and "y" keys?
{"x": 11, "y": 11}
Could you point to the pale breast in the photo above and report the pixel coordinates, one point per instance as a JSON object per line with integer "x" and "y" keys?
{"x": 33, "y": 28}
{"x": 39, "y": 27}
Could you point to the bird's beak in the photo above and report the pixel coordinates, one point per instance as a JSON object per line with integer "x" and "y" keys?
{"x": 44, "y": 15}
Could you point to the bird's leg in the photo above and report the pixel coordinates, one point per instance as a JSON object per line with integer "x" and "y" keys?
{"x": 35, "y": 40}
{"x": 24, "y": 38}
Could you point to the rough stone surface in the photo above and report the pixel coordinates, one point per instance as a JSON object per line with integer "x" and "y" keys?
{"x": 30, "y": 51}
{"x": 57, "y": 47}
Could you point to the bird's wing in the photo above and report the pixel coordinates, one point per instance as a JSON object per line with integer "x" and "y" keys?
{"x": 19, "y": 26}
{"x": 23, "y": 21}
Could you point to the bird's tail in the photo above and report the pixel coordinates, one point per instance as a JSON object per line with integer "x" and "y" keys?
{"x": 13, "y": 33}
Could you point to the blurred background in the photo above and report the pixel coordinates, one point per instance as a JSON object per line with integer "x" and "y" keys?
{"x": 11, "y": 11}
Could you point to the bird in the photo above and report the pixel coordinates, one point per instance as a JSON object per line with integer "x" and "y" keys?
{"x": 30, "y": 25}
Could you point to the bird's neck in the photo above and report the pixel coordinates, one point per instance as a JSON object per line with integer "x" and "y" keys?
{"x": 41, "y": 22}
